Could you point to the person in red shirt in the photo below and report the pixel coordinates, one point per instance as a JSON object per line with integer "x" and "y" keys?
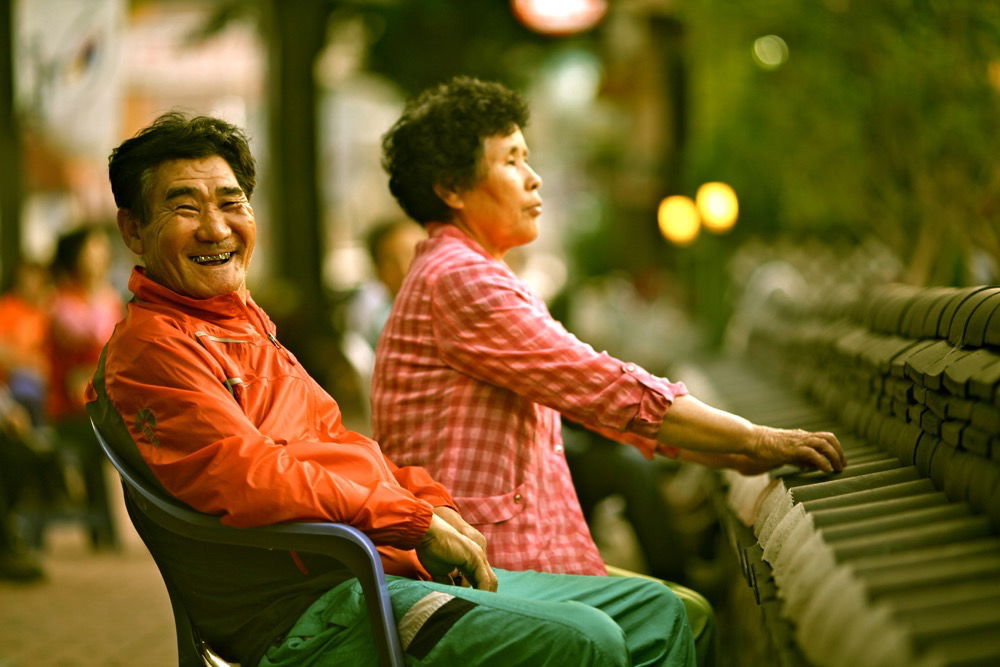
{"x": 196, "y": 387}
{"x": 82, "y": 315}
{"x": 472, "y": 373}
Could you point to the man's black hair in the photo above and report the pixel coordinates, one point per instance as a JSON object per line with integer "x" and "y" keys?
{"x": 175, "y": 136}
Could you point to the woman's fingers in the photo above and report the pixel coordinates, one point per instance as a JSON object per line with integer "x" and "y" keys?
{"x": 820, "y": 450}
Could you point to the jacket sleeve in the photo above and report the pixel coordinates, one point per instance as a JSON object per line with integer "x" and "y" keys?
{"x": 489, "y": 326}
{"x": 422, "y": 485}
{"x": 201, "y": 446}
{"x": 413, "y": 478}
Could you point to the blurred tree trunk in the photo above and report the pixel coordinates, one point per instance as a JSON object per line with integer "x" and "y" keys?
{"x": 296, "y": 33}
{"x": 10, "y": 152}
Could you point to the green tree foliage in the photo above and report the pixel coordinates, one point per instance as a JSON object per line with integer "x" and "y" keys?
{"x": 881, "y": 122}
{"x": 423, "y": 43}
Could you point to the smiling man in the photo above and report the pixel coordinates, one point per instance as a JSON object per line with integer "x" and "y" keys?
{"x": 199, "y": 234}
{"x": 196, "y": 390}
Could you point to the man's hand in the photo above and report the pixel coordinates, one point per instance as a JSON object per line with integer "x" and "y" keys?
{"x": 458, "y": 523}
{"x": 776, "y": 446}
{"x": 445, "y": 551}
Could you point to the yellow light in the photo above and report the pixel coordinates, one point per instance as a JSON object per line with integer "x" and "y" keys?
{"x": 718, "y": 206}
{"x": 678, "y": 220}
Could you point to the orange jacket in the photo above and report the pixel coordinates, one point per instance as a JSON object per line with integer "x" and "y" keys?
{"x": 229, "y": 422}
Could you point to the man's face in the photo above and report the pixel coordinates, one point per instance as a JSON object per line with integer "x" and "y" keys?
{"x": 501, "y": 209}
{"x": 200, "y": 235}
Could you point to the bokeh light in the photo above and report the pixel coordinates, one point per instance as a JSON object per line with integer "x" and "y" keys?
{"x": 559, "y": 17}
{"x": 678, "y": 220}
{"x": 770, "y": 51}
{"x": 718, "y": 206}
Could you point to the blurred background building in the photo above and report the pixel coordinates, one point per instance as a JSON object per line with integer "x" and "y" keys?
{"x": 846, "y": 132}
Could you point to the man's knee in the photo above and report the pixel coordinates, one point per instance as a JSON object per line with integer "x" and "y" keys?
{"x": 587, "y": 636}
{"x": 580, "y": 635}
{"x": 701, "y": 619}
{"x": 701, "y": 615}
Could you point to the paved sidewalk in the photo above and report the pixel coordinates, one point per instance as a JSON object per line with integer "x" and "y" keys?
{"x": 93, "y": 609}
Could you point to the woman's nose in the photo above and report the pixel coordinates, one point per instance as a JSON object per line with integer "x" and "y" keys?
{"x": 534, "y": 181}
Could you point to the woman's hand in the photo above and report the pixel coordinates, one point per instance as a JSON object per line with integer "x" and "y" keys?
{"x": 776, "y": 446}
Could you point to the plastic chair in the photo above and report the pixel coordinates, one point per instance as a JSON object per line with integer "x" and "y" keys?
{"x": 340, "y": 541}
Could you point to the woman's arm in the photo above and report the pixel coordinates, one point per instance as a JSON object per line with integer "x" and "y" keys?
{"x": 717, "y": 437}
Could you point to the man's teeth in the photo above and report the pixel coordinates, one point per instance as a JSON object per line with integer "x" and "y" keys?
{"x": 202, "y": 259}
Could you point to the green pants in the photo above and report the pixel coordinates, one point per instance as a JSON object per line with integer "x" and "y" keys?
{"x": 535, "y": 618}
{"x": 700, "y": 615}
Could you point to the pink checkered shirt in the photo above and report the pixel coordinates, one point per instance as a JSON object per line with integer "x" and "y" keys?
{"x": 471, "y": 374}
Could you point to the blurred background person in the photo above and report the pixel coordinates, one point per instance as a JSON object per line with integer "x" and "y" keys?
{"x": 24, "y": 364}
{"x": 83, "y": 314}
{"x": 390, "y": 245}
{"x": 18, "y": 465}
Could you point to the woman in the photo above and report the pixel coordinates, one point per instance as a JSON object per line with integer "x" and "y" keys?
{"x": 472, "y": 373}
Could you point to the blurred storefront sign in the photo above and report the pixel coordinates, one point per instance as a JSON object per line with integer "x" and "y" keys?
{"x": 68, "y": 71}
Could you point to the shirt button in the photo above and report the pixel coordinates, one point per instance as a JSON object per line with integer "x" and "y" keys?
{"x": 559, "y": 449}
{"x": 517, "y": 497}
{"x": 629, "y": 368}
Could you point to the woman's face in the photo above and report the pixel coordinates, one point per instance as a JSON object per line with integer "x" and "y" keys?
{"x": 501, "y": 209}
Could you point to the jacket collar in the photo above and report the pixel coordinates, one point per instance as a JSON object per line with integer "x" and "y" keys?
{"x": 216, "y": 308}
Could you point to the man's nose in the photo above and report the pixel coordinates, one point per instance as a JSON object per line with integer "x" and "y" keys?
{"x": 213, "y": 226}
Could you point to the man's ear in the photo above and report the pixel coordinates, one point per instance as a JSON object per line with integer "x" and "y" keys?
{"x": 128, "y": 227}
{"x": 449, "y": 196}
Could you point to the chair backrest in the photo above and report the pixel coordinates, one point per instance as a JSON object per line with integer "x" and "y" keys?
{"x": 343, "y": 542}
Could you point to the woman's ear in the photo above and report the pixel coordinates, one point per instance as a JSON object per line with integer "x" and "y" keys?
{"x": 449, "y": 196}
{"x": 128, "y": 227}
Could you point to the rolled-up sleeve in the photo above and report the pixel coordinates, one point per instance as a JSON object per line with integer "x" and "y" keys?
{"x": 488, "y": 325}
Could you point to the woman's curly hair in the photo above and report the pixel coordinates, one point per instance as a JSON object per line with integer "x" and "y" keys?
{"x": 439, "y": 140}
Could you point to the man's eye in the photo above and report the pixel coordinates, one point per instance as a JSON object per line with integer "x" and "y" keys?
{"x": 187, "y": 208}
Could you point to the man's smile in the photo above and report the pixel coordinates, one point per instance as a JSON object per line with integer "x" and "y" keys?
{"x": 213, "y": 260}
